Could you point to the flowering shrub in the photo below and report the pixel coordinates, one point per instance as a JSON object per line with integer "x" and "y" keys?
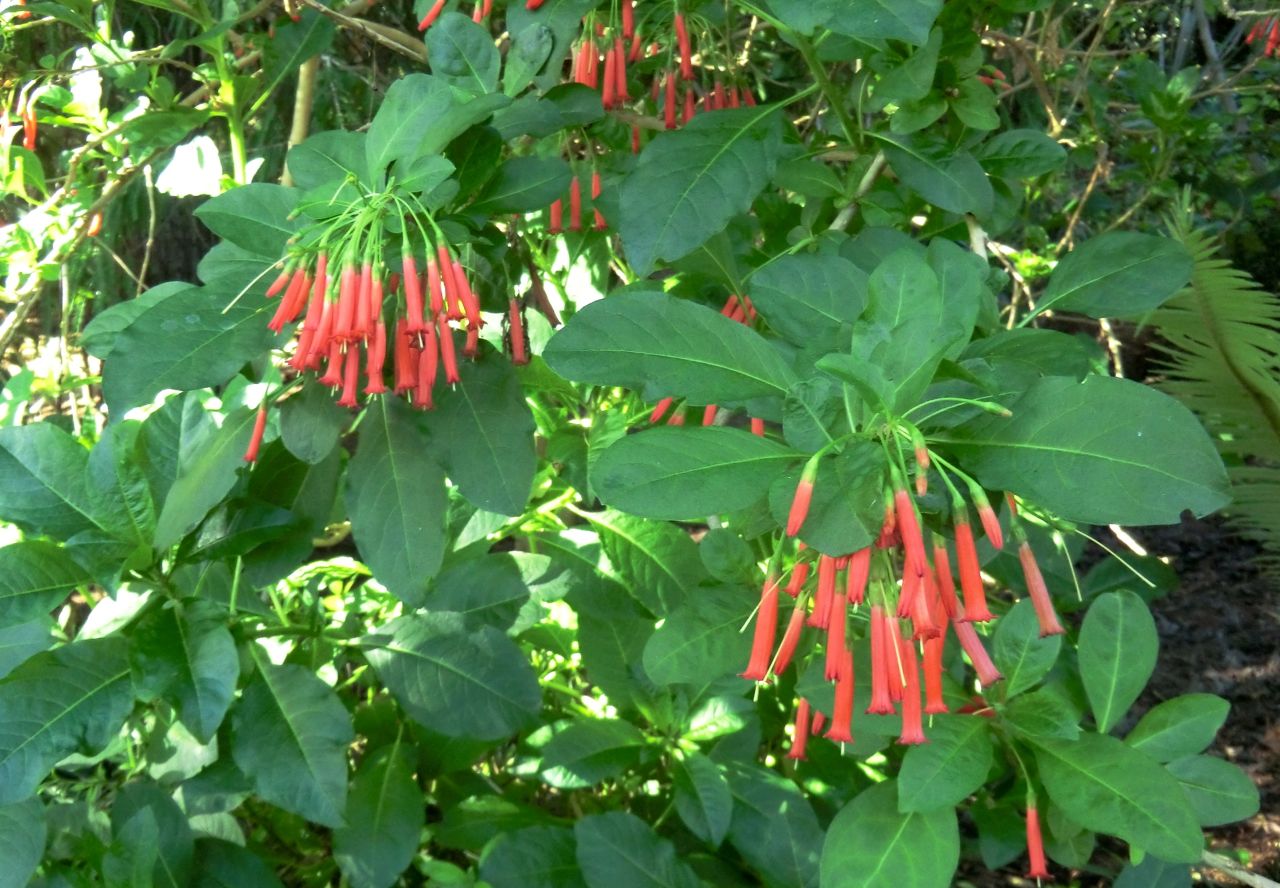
{"x": 719, "y": 526}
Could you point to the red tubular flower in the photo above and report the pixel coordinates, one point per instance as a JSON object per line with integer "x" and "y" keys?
{"x": 413, "y": 293}
{"x": 448, "y": 356}
{"x": 375, "y": 360}
{"x": 990, "y": 523}
{"x": 432, "y": 14}
{"x": 556, "y": 222}
{"x": 819, "y": 719}
{"x": 946, "y": 583}
{"x": 821, "y": 615}
{"x": 690, "y": 107}
{"x": 1273, "y": 40}
{"x": 362, "y": 325}
{"x": 748, "y": 98}
{"x": 628, "y": 19}
{"x": 912, "y": 714}
{"x": 923, "y": 622}
{"x": 600, "y": 223}
{"x": 255, "y": 439}
{"x": 709, "y": 414}
{"x": 593, "y": 65}
{"x": 452, "y": 288}
{"x": 635, "y": 140}
{"x": 766, "y": 630}
{"x": 470, "y": 304}
{"x": 735, "y": 98}
{"x": 988, "y": 674}
{"x": 435, "y": 292}
{"x": 1040, "y": 599}
{"x": 575, "y": 205}
{"x": 30, "y": 125}
{"x": 333, "y": 368}
{"x": 609, "y": 92}
{"x": 531, "y": 5}
{"x": 790, "y": 640}
{"x": 473, "y": 342}
{"x": 757, "y": 427}
{"x": 975, "y": 596}
{"x": 660, "y": 409}
{"x": 348, "y": 295}
{"x": 350, "y": 378}
{"x": 633, "y": 52}
{"x": 677, "y": 418}
{"x": 802, "y": 498}
{"x": 801, "y": 738}
{"x": 286, "y": 277}
{"x": 425, "y": 377}
{"x": 686, "y": 51}
{"x": 722, "y": 99}
{"x": 620, "y": 71}
{"x": 933, "y": 702}
{"x": 406, "y": 365}
{"x": 287, "y": 309}
{"x": 515, "y": 321}
{"x": 669, "y": 103}
{"x": 799, "y": 574}
{"x": 842, "y": 717}
{"x": 291, "y": 306}
{"x": 836, "y": 636}
{"x": 1035, "y": 846}
{"x": 909, "y": 527}
{"x": 881, "y": 703}
{"x": 859, "y": 571}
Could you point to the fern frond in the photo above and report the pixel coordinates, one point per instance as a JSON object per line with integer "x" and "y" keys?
{"x": 1221, "y": 357}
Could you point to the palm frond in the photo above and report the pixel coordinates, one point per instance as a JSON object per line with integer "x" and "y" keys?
{"x": 1221, "y": 357}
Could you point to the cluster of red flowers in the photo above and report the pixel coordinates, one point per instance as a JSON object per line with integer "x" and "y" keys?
{"x": 737, "y": 309}
{"x": 925, "y": 597}
{"x": 1270, "y": 28}
{"x": 556, "y": 224}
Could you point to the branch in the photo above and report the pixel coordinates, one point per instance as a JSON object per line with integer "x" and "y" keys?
{"x": 392, "y": 38}
{"x": 1228, "y": 866}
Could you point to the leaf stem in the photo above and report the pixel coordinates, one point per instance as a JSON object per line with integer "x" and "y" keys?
{"x": 829, "y": 90}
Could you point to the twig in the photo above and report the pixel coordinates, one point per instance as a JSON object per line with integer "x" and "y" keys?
{"x": 151, "y": 229}
{"x": 1228, "y": 866}
{"x": 302, "y": 101}
{"x": 1069, "y": 235}
{"x": 392, "y": 38}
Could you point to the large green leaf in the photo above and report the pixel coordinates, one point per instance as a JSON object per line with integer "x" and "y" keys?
{"x": 42, "y": 480}
{"x": 867, "y": 20}
{"x": 329, "y": 156}
{"x": 533, "y": 857}
{"x": 483, "y": 429}
{"x": 1021, "y": 154}
{"x": 20, "y": 642}
{"x": 35, "y": 577}
{"x": 460, "y": 682}
{"x": 1021, "y": 655}
{"x": 943, "y": 772}
{"x": 869, "y": 844}
{"x": 1118, "y": 645}
{"x": 619, "y": 850}
{"x": 702, "y": 640}
{"x": 1100, "y": 451}
{"x": 206, "y": 473}
{"x": 590, "y": 750}
{"x": 690, "y": 182}
{"x": 807, "y": 297}
{"x": 151, "y": 841}
{"x": 658, "y": 562}
{"x": 522, "y": 184}
{"x": 462, "y": 53}
{"x": 396, "y": 498}
{"x": 702, "y": 797}
{"x": 385, "y": 816}
{"x": 310, "y": 423}
{"x": 188, "y": 340}
{"x": 1179, "y": 727}
{"x": 254, "y": 217}
{"x": 676, "y": 473}
{"x": 774, "y": 827}
{"x": 950, "y": 180}
{"x": 1047, "y": 712}
{"x": 186, "y": 653}
{"x": 663, "y": 346}
{"x": 289, "y": 735}
{"x": 118, "y": 490}
{"x": 22, "y": 836}
{"x": 72, "y": 698}
{"x": 563, "y": 19}
{"x": 1219, "y": 791}
{"x": 1105, "y": 786}
{"x": 224, "y": 865}
{"x": 486, "y": 591}
{"x": 1121, "y": 273}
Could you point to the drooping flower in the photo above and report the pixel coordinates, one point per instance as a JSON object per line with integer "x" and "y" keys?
{"x": 1040, "y": 599}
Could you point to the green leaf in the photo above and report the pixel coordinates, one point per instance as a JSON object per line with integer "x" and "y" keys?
{"x": 187, "y": 341}
{"x": 289, "y": 735}
{"x": 1120, "y": 273}
{"x": 950, "y": 180}
{"x": 530, "y": 49}
{"x": 1220, "y": 792}
{"x": 590, "y": 750}
{"x": 847, "y": 509}
{"x": 808, "y": 297}
{"x": 1021, "y": 655}
{"x": 1021, "y": 154}
{"x": 20, "y": 642}
{"x": 700, "y": 641}
{"x": 812, "y": 178}
{"x": 411, "y": 106}
{"x": 943, "y": 772}
{"x": 206, "y": 474}
{"x": 1153, "y": 872}
{"x": 870, "y": 844}
{"x": 254, "y": 217}
{"x": 396, "y": 499}
{"x": 774, "y": 827}
{"x": 680, "y": 473}
{"x": 117, "y": 485}
{"x": 35, "y": 577}
{"x": 99, "y": 336}
{"x": 908, "y": 20}
{"x": 22, "y": 836}
{"x": 151, "y": 839}
{"x": 186, "y": 653}
{"x": 619, "y": 850}
{"x": 534, "y": 857}
{"x": 1105, "y": 786}
{"x": 488, "y": 590}
{"x": 329, "y": 157}
{"x": 703, "y": 798}
{"x": 657, "y": 561}
{"x": 1134, "y": 455}
{"x": 563, "y": 18}
{"x": 458, "y": 682}
{"x": 725, "y": 555}
{"x": 385, "y": 816}
{"x": 1179, "y": 727}
{"x": 462, "y": 53}
{"x": 689, "y": 183}
{"x": 72, "y": 698}
{"x": 310, "y": 423}
{"x": 523, "y": 184}
{"x": 662, "y": 346}
{"x": 224, "y": 865}
{"x": 1046, "y": 712}
{"x": 902, "y": 287}
{"x": 1118, "y": 646}
{"x": 483, "y": 429}
{"x": 42, "y": 480}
